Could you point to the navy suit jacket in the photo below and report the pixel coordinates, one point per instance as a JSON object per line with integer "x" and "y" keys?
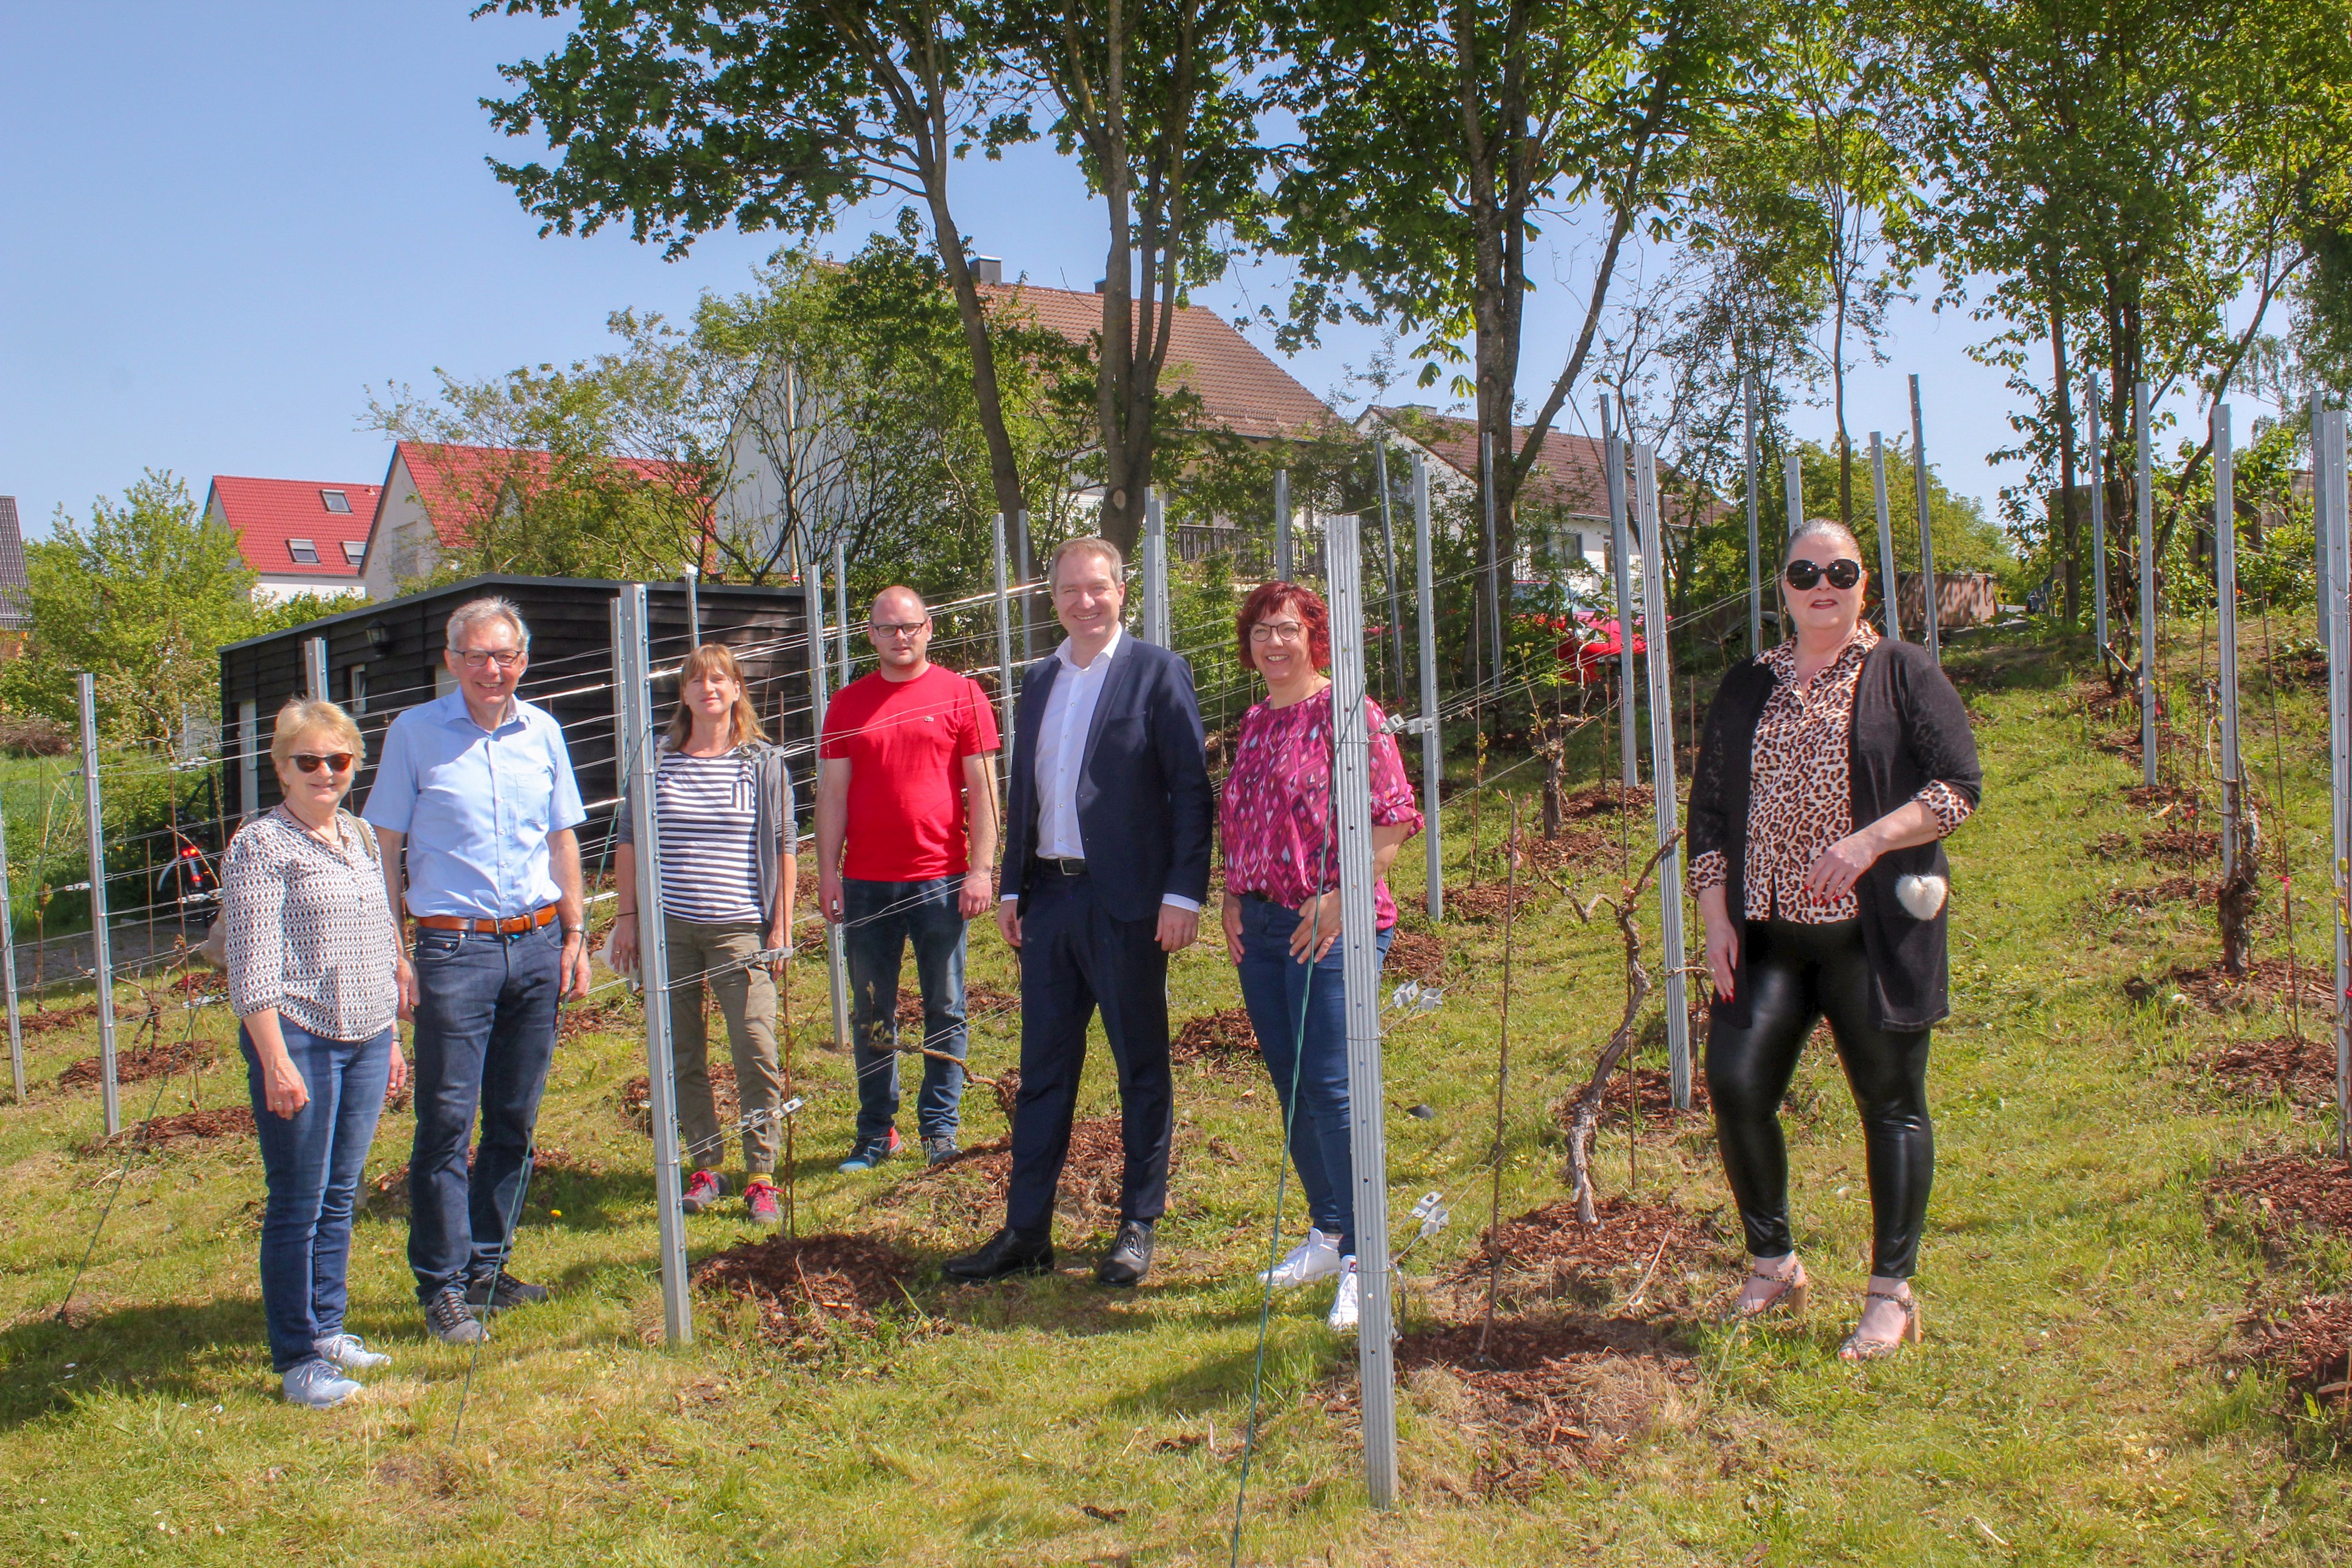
{"x": 1145, "y": 808}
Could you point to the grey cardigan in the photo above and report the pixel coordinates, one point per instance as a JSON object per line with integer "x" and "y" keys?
{"x": 775, "y": 821}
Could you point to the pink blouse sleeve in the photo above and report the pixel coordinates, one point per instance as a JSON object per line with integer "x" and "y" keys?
{"x": 1393, "y": 804}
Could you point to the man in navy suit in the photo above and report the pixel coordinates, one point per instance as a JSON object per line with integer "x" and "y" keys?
{"x": 1105, "y": 864}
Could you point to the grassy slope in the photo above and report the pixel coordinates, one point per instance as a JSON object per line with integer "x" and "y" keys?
{"x": 2068, "y": 1402}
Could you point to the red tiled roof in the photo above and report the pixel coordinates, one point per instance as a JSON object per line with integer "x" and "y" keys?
{"x": 268, "y": 513}
{"x": 1239, "y": 386}
{"x": 456, "y": 484}
{"x": 1570, "y": 473}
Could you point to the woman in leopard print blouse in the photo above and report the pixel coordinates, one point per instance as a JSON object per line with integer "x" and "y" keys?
{"x": 1832, "y": 768}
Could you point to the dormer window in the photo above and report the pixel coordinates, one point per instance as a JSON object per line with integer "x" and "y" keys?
{"x": 304, "y": 551}
{"x": 354, "y": 551}
{"x": 335, "y": 501}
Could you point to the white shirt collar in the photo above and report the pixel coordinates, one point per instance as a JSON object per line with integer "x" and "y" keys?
{"x": 1110, "y": 649}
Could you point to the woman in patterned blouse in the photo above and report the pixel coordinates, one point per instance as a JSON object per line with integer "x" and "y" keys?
{"x": 1282, "y": 907}
{"x": 310, "y": 953}
{"x": 1832, "y": 768}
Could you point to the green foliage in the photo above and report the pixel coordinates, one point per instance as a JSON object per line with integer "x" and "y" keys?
{"x": 141, "y": 595}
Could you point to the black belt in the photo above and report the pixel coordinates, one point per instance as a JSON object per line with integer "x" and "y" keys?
{"x": 1062, "y": 866}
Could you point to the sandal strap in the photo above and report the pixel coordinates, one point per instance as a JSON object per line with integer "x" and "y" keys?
{"x": 1908, "y": 1304}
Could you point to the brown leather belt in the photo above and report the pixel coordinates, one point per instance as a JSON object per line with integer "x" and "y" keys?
{"x": 515, "y": 927}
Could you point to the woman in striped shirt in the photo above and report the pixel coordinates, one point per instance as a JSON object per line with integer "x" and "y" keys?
{"x": 723, "y": 808}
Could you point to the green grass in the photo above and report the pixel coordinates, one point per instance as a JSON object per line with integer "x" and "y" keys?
{"x": 2075, "y": 1400}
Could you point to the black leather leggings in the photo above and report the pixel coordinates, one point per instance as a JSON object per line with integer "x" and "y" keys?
{"x": 1796, "y": 975}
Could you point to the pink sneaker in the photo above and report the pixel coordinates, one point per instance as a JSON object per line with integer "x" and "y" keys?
{"x": 703, "y": 1188}
{"x": 765, "y": 1206}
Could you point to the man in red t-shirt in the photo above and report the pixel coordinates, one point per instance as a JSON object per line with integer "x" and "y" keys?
{"x": 906, "y": 779}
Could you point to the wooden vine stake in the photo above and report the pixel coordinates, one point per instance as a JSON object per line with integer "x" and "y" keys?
{"x": 1584, "y": 1115}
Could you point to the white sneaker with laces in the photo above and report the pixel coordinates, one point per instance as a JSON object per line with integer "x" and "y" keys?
{"x": 316, "y": 1386}
{"x": 1316, "y": 1258}
{"x": 349, "y": 1352}
{"x": 1345, "y": 1305}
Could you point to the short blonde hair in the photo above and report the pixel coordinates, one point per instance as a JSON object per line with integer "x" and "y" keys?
{"x": 1087, "y": 544}
{"x": 299, "y": 716}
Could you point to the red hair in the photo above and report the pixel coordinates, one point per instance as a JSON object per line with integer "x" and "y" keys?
{"x": 1268, "y": 597}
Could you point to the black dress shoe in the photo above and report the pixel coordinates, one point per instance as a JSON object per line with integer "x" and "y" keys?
{"x": 1129, "y": 1257}
{"x": 1006, "y": 1252}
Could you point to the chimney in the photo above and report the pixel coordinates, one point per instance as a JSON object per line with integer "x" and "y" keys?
{"x": 987, "y": 269}
{"x": 1099, "y": 284}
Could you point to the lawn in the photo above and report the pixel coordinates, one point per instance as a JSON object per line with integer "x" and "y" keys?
{"x": 2085, "y": 1394}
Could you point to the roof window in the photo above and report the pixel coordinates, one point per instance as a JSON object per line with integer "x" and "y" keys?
{"x": 304, "y": 551}
{"x": 355, "y": 550}
{"x": 335, "y": 501}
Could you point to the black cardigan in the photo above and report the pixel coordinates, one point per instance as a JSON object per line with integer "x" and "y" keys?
{"x": 1909, "y": 727}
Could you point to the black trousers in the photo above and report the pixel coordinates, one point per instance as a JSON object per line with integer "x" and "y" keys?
{"x": 1798, "y": 975}
{"x": 1075, "y": 958}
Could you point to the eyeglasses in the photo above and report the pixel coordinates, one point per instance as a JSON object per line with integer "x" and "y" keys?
{"x": 1277, "y": 632}
{"x": 337, "y": 762}
{"x": 505, "y": 658}
{"x": 897, "y": 628}
{"x": 1803, "y": 574}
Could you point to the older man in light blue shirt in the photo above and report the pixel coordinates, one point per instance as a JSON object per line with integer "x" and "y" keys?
{"x": 476, "y": 788}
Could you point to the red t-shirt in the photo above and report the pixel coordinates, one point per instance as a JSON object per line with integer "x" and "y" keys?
{"x": 905, "y": 742}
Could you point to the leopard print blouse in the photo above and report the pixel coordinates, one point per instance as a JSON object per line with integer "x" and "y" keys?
{"x": 1800, "y": 793}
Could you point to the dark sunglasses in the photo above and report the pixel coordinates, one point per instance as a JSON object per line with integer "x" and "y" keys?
{"x": 312, "y": 761}
{"x": 1842, "y": 574}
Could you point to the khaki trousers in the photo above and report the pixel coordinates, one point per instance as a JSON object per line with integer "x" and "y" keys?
{"x": 746, "y": 998}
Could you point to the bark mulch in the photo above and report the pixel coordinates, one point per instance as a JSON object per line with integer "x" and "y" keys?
{"x": 1487, "y": 900}
{"x": 2111, "y": 846}
{"x": 805, "y": 1286}
{"x": 612, "y": 1014}
{"x": 1653, "y": 1094}
{"x": 2171, "y": 890}
{"x": 134, "y": 1066}
{"x": 1541, "y": 1395}
{"x": 1418, "y": 955}
{"x": 974, "y": 1182}
{"x": 2310, "y": 1342}
{"x": 977, "y": 1000}
{"x": 2181, "y": 846}
{"x": 638, "y": 1098}
{"x": 2265, "y": 981}
{"x": 1548, "y": 1252}
{"x": 195, "y": 1126}
{"x": 1601, "y": 800}
{"x": 1220, "y": 1039}
{"x": 2288, "y": 1195}
{"x": 2281, "y": 1066}
{"x": 41, "y": 1020}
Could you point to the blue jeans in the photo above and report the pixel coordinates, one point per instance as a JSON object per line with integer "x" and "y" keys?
{"x": 485, "y": 1034}
{"x": 311, "y": 1162}
{"x": 880, "y": 919}
{"x": 1274, "y": 987}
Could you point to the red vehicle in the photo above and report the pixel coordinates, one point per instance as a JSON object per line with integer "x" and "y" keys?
{"x": 1592, "y": 644}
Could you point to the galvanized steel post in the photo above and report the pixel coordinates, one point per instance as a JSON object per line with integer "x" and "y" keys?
{"x": 1368, "y": 1143}
{"x": 1887, "y": 579}
{"x": 1155, "y": 625}
{"x": 1662, "y": 774}
{"x": 102, "y": 956}
{"x": 632, "y": 718}
{"x": 1281, "y": 545}
{"x": 836, "y": 958}
{"x": 2333, "y": 510}
{"x": 2099, "y": 519}
{"x": 1429, "y": 725}
{"x": 841, "y": 607}
{"x": 1927, "y": 530}
{"x": 8, "y": 967}
{"x": 1003, "y": 663}
{"x": 314, "y": 668}
{"x": 2225, "y": 593}
{"x": 1612, "y": 449}
{"x": 2144, "y": 504}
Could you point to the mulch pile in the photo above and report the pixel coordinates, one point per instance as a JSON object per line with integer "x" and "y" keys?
{"x": 2181, "y": 846}
{"x": 1548, "y": 1252}
{"x": 2111, "y": 846}
{"x": 612, "y": 1014}
{"x": 2299, "y": 1069}
{"x": 2289, "y": 1193}
{"x": 2102, "y": 701}
{"x": 2120, "y": 742}
{"x": 1487, "y": 900}
{"x": 1416, "y": 955}
{"x": 2266, "y": 980}
{"x": 1653, "y": 1094}
{"x": 1219, "y": 1039}
{"x": 978, "y": 1177}
{"x": 229, "y": 1122}
{"x": 133, "y": 1066}
{"x": 638, "y": 1098}
{"x": 2171, "y": 890}
{"x": 1601, "y": 800}
{"x": 2310, "y": 1342}
{"x": 1545, "y": 1394}
{"x": 41, "y": 1020}
{"x": 977, "y": 1000}
{"x": 805, "y": 1285}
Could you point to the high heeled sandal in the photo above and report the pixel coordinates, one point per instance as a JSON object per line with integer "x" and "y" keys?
{"x": 1857, "y": 1348}
{"x": 1794, "y": 1290}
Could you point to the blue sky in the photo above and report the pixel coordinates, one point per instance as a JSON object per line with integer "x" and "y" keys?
{"x": 226, "y": 224}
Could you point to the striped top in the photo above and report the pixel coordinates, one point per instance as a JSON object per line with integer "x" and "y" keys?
{"x": 707, "y": 809}
{"x": 310, "y": 933}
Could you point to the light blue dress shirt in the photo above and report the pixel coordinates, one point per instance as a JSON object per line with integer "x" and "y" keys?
{"x": 476, "y": 806}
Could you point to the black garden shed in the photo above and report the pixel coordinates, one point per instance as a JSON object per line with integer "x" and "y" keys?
{"x": 384, "y": 657}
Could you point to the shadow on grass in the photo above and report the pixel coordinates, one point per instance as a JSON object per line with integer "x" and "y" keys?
{"x": 172, "y": 1348}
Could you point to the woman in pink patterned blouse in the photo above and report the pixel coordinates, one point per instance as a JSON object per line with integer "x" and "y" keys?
{"x": 1282, "y": 907}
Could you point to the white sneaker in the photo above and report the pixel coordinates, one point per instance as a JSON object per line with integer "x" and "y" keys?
{"x": 1316, "y": 1258}
{"x": 1345, "y": 1304}
{"x": 349, "y": 1352}
{"x": 316, "y": 1386}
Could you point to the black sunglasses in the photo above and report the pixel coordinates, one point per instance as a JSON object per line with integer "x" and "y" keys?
{"x": 1842, "y": 573}
{"x": 312, "y": 761}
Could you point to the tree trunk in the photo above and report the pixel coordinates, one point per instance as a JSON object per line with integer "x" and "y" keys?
{"x": 2061, "y": 374}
